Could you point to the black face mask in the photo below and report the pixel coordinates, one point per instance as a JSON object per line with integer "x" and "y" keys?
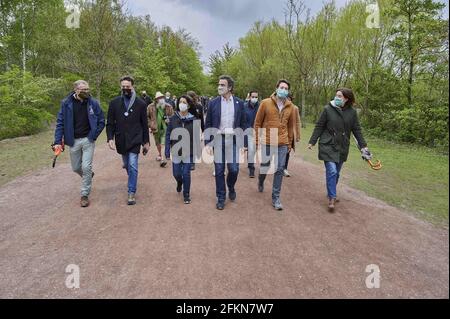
{"x": 127, "y": 92}
{"x": 84, "y": 95}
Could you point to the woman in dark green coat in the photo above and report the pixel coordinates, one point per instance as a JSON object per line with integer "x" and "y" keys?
{"x": 333, "y": 130}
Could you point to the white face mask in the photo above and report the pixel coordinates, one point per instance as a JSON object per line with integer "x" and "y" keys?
{"x": 254, "y": 100}
{"x": 183, "y": 107}
{"x": 222, "y": 90}
{"x": 161, "y": 102}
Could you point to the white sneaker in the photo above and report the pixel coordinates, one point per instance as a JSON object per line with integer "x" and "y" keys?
{"x": 286, "y": 173}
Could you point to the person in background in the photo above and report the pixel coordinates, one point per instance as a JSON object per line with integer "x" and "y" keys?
{"x": 169, "y": 100}
{"x": 196, "y": 109}
{"x": 147, "y": 99}
{"x": 251, "y": 108}
{"x": 297, "y": 126}
{"x": 175, "y": 103}
{"x": 159, "y": 114}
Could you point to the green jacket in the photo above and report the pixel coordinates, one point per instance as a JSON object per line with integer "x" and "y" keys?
{"x": 333, "y": 130}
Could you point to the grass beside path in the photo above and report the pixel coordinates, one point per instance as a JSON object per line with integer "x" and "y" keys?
{"x": 413, "y": 178}
{"x": 23, "y": 155}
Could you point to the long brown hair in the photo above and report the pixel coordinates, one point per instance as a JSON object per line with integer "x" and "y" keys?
{"x": 349, "y": 95}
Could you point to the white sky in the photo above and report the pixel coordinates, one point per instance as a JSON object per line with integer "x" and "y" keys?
{"x": 216, "y": 22}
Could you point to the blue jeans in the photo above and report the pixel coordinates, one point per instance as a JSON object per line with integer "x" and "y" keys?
{"x": 130, "y": 163}
{"x": 225, "y": 154}
{"x": 280, "y": 153}
{"x": 182, "y": 173}
{"x": 333, "y": 171}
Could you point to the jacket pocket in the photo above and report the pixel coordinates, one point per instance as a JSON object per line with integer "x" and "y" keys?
{"x": 327, "y": 140}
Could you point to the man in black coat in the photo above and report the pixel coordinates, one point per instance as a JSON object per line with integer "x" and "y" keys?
{"x": 127, "y": 131}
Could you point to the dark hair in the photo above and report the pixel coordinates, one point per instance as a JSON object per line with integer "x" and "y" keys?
{"x": 284, "y": 81}
{"x": 229, "y": 80}
{"x": 193, "y": 96}
{"x": 349, "y": 95}
{"x": 127, "y": 78}
{"x": 188, "y": 99}
{"x": 252, "y": 91}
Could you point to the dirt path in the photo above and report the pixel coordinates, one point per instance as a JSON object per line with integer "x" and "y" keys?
{"x": 162, "y": 248}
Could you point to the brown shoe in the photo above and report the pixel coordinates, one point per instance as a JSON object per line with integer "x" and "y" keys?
{"x": 331, "y": 204}
{"x": 84, "y": 201}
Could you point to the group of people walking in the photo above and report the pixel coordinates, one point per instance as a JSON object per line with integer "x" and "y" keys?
{"x": 269, "y": 128}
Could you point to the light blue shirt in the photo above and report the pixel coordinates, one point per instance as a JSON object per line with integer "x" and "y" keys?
{"x": 227, "y": 116}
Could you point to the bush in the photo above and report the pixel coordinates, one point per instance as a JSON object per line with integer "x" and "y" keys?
{"x": 23, "y": 121}
{"x": 26, "y": 103}
{"x": 423, "y": 125}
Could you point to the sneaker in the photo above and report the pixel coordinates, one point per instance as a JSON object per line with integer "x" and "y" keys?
{"x": 232, "y": 195}
{"x": 131, "y": 199}
{"x": 93, "y": 174}
{"x": 158, "y": 158}
{"x": 214, "y": 173}
{"x": 277, "y": 204}
{"x": 193, "y": 167}
{"x": 220, "y": 205}
{"x": 187, "y": 199}
{"x": 331, "y": 203}
{"x": 286, "y": 173}
{"x": 251, "y": 174}
{"x": 163, "y": 163}
{"x": 84, "y": 202}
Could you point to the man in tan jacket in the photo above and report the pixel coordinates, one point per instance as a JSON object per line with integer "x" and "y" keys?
{"x": 275, "y": 122}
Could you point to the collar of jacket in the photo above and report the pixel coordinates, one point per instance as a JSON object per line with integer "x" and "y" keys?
{"x": 187, "y": 118}
{"x": 68, "y": 100}
{"x": 253, "y": 106}
{"x": 333, "y": 104}
{"x": 286, "y": 104}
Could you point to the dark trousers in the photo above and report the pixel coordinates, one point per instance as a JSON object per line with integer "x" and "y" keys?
{"x": 182, "y": 174}
{"x": 225, "y": 155}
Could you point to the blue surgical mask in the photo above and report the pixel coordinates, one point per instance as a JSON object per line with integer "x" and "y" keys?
{"x": 282, "y": 93}
{"x": 338, "y": 101}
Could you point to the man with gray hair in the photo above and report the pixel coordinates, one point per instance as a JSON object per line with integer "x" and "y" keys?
{"x": 79, "y": 123}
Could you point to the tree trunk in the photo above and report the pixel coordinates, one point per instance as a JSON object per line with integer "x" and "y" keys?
{"x": 411, "y": 60}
